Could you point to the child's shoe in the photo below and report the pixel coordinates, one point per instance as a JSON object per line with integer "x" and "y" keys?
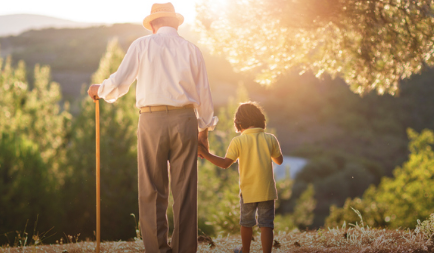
{"x": 238, "y": 250}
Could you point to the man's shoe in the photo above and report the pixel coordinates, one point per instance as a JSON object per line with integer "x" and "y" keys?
{"x": 238, "y": 250}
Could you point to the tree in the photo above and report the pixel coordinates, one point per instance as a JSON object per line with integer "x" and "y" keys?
{"x": 118, "y": 125}
{"x": 401, "y": 200}
{"x": 33, "y": 139}
{"x": 27, "y": 189}
{"x": 303, "y": 211}
{"x": 35, "y": 113}
{"x": 372, "y": 45}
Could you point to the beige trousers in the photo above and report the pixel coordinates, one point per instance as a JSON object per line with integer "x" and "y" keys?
{"x": 168, "y": 137}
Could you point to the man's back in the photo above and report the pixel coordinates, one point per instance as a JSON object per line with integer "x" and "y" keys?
{"x": 169, "y": 69}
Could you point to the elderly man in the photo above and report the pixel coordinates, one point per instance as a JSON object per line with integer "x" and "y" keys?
{"x": 176, "y": 112}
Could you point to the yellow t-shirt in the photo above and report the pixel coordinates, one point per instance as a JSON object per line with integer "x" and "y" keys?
{"x": 254, "y": 149}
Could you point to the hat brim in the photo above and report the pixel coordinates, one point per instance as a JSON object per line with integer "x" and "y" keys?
{"x": 147, "y": 21}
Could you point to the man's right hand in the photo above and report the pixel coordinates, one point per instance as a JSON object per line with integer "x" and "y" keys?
{"x": 93, "y": 91}
{"x": 201, "y": 150}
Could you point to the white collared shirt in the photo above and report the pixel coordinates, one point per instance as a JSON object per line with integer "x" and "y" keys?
{"x": 169, "y": 71}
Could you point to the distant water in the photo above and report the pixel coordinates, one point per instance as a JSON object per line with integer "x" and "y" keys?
{"x": 291, "y": 165}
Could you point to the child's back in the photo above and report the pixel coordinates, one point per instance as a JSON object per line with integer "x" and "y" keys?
{"x": 254, "y": 149}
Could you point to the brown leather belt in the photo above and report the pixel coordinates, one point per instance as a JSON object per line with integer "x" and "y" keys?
{"x": 160, "y": 108}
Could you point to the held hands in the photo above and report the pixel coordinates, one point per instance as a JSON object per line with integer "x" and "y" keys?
{"x": 203, "y": 141}
{"x": 222, "y": 162}
{"x": 93, "y": 91}
{"x": 202, "y": 150}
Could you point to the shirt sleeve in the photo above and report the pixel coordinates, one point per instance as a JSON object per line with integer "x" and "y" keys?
{"x": 119, "y": 82}
{"x": 276, "y": 152}
{"x": 205, "y": 109}
{"x": 233, "y": 151}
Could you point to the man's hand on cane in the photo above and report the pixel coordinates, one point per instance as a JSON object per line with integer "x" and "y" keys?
{"x": 93, "y": 91}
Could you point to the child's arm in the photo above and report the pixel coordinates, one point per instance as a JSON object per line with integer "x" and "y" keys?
{"x": 277, "y": 152}
{"x": 216, "y": 160}
{"x": 278, "y": 160}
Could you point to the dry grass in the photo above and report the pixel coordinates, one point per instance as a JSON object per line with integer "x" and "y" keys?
{"x": 353, "y": 239}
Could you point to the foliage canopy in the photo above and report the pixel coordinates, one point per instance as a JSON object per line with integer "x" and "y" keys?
{"x": 372, "y": 44}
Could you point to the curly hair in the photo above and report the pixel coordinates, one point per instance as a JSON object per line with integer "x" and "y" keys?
{"x": 249, "y": 114}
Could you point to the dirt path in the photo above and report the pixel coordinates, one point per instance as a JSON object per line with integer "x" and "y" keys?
{"x": 335, "y": 240}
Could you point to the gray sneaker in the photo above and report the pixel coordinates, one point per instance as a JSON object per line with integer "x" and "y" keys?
{"x": 238, "y": 250}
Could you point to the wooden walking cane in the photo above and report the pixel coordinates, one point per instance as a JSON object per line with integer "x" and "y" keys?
{"x": 98, "y": 204}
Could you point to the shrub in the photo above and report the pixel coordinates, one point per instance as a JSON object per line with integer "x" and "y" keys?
{"x": 401, "y": 200}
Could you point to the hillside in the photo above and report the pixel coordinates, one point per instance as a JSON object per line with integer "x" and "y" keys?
{"x": 74, "y": 54}
{"x": 18, "y": 23}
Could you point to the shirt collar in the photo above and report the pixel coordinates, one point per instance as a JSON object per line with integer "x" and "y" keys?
{"x": 253, "y": 131}
{"x": 168, "y": 31}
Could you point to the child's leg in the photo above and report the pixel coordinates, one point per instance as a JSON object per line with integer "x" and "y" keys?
{"x": 247, "y": 221}
{"x": 246, "y": 238}
{"x": 266, "y": 223}
{"x": 266, "y": 239}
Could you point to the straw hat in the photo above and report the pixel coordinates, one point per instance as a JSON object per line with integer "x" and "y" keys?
{"x": 161, "y": 10}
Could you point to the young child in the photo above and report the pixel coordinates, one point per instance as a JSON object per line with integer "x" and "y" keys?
{"x": 254, "y": 150}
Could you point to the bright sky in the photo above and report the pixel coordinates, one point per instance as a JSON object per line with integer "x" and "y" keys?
{"x": 95, "y": 11}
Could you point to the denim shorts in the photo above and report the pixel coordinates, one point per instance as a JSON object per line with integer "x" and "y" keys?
{"x": 265, "y": 213}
